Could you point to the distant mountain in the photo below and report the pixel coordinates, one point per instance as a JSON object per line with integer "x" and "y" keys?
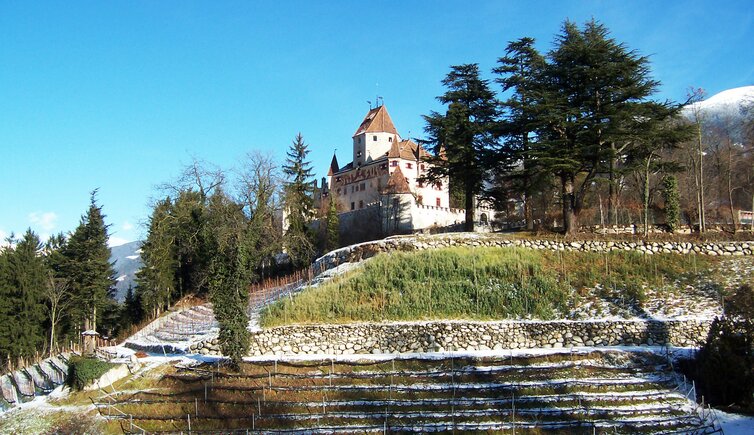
{"x": 127, "y": 259}
{"x": 729, "y": 109}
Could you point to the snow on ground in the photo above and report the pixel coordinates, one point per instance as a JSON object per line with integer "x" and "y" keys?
{"x": 735, "y": 424}
{"x": 505, "y": 353}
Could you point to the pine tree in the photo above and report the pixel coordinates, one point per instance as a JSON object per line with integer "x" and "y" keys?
{"x": 298, "y": 239}
{"x": 8, "y": 318}
{"x": 520, "y": 70}
{"x": 463, "y": 136}
{"x": 595, "y": 89}
{"x": 87, "y": 266}
{"x": 156, "y": 280}
{"x": 133, "y": 312}
{"x": 23, "y": 275}
{"x": 229, "y": 274}
{"x": 332, "y": 231}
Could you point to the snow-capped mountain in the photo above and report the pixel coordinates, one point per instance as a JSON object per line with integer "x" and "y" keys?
{"x": 127, "y": 261}
{"x": 729, "y": 109}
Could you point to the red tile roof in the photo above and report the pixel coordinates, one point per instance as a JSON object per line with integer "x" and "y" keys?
{"x": 397, "y": 183}
{"x": 377, "y": 121}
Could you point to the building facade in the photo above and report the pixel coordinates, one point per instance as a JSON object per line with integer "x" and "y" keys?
{"x": 381, "y": 191}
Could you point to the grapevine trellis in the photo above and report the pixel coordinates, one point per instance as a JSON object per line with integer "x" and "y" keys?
{"x": 577, "y": 392}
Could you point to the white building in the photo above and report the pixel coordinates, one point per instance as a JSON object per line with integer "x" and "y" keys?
{"x": 380, "y": 192}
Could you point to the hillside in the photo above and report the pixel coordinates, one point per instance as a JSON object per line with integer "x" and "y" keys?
{"x": 513, "y": 283}
{"x": 126, "y": 261}
{"x": 729, "y": 109}
{"x": 585, "y": 391}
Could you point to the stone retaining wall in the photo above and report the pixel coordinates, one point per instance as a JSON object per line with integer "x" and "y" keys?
{"x": 399, "y": 337}
{"x": 358, "y": 252}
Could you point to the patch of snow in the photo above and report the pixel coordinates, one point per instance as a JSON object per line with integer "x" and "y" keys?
{"x": 729, "y": 97}
{"x": 735, "y": 424}
{"x": 121, "y": 278}
{"x": 505, "y": 353}
{"x": 132, "y": 257}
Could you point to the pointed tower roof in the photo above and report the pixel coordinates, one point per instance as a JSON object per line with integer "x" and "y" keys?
{"x": 333, "y": 165}
{"x": 377, "y": 120}
{"x": 406, "y": 150}
{"x": 395, "y": 150}
{"x": 397, "y": 183}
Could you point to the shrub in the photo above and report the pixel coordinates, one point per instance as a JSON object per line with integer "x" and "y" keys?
{"x": 724, "y": 366}
{"x": 82, "y": 371}
{"x": 672, "y": 202}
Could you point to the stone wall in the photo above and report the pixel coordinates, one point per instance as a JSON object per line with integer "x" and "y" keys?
{"x": 365, "y": 250}
{"x": 400, "y": 337}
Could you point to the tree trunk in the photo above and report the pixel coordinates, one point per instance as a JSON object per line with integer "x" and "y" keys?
{"x": 528, "y": 214}
{"x": 469, "y": 225}
{"x": 646, "y": 197}
{"x": 702, "y": 221}
{"x": 612, "y": 198}
{"x": 695, "y": 170}
{"x": 570, "y": 221}
{"x": 53, "y": 320}
{"x": 730, "y": 188}
{"x": 527, "y": 187}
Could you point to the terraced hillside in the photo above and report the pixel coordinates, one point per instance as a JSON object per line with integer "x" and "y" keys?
{"x": 24, "y": 384}
{"x": 568, "y": 392}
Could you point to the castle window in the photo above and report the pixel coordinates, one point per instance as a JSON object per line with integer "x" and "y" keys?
{"x": 422, "y": 166}
{"x": 420, "y": 184}
{"x": 374, "y": 138}
{"x": 409, "y": 165}
{"x": 363, "y": 186}
{"x": 394, "y": 163}
{"x": 337, "y": 179}
{"x": 437, "y": 202}
{"x": 390, "y": 139}
{"x": 339, "y": 191}
{"x": 353, "y": 206}
{"x": 358, "y": 154}
{"x": 361, "y": 203}
{"x": 420, "y": 200}
{"x": 359, "y": 139}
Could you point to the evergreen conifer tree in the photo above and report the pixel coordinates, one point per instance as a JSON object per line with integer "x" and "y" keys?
{"x": 8, "y": 318}
{"x": 591, "y": 107}
{"x": 520, "y": 70}
{"x": 298, "y": 239}
{"x": 23, "y": 275}
{"x": 87, "y": 266}
{"x": 229, "y": 274}
{"x": 462, "y": 137}
{"x": 332, "y": 231}
{"x": 156, "y": 280}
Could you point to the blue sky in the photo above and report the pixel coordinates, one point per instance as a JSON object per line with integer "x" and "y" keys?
{"x": 120, "y": 95}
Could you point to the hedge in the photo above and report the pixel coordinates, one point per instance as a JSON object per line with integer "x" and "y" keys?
{"x": 82, "y": 371}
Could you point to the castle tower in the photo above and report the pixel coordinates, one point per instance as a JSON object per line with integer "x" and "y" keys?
{"x": 374, "y": 137}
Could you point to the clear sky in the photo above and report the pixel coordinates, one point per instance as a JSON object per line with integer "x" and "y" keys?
{"x": 119, "y": 95}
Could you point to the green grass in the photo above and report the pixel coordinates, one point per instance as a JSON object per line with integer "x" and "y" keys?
{"x": 479, "y": 283}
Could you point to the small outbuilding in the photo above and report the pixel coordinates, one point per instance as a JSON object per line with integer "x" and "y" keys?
{"x": 89, "y": 338}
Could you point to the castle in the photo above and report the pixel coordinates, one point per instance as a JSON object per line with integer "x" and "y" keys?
{"x": 380, "y": 192}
